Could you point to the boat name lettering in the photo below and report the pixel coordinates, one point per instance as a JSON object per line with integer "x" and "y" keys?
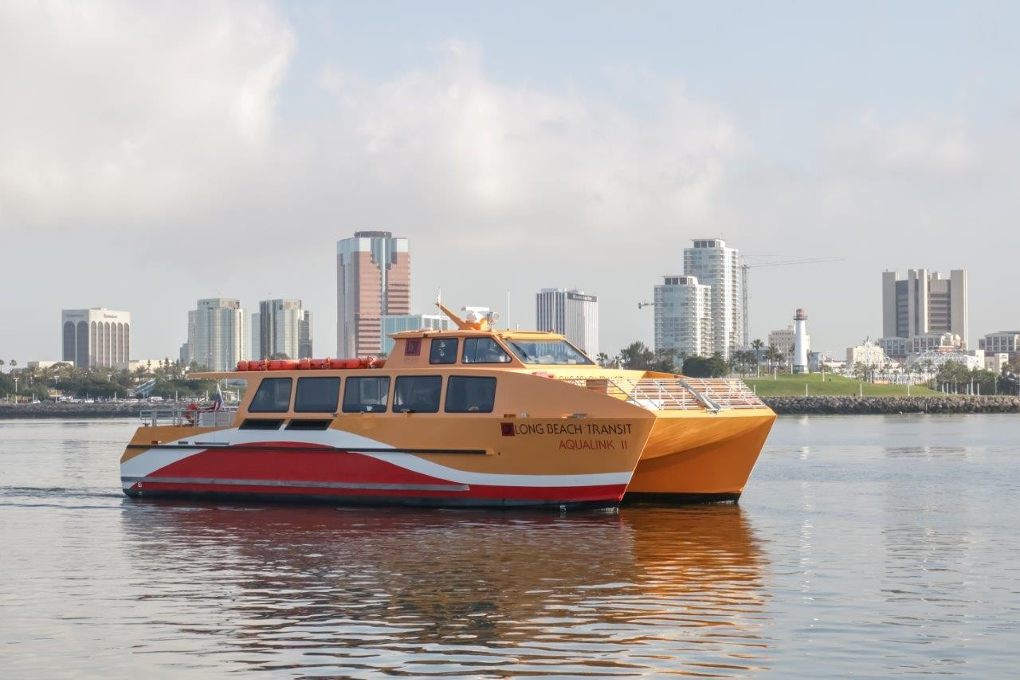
{"x": 595, "y": 429}
{"x": 587, "y": 444}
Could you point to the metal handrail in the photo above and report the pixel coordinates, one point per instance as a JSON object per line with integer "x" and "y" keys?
{"x": 182, "y": 417}
{"x": 672, "y": 394}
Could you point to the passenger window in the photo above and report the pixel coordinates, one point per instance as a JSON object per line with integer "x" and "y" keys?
{"x": 470, "y": 395}
{"x": 443, "y": 351}
{"x": 366, "y": 395}
{"x": 412, "y": 347}
{"x": 417, "y": 394}
{"x": 484, "y": 351}
{"x": 317, "y": 395}
{"x": 273, "y": 396}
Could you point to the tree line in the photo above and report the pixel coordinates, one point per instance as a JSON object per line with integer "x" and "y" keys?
{"x": 67, "y": 380}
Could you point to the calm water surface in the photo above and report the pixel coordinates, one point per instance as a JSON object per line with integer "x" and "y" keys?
{"x": 864, "y": 546}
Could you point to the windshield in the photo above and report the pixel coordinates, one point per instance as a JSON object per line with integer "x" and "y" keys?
{"x": 547, "y": 352}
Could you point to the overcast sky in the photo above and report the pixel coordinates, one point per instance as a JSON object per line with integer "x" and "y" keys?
{"x": 155, "y": 153}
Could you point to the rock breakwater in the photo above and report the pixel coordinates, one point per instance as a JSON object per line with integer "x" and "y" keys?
{"x": 113, "y": 409}
{"x": 892, "y": 405}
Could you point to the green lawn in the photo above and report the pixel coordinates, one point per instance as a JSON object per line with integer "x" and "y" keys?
{"x": 785, "y": 385}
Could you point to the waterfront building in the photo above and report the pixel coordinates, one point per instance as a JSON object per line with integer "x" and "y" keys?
{"x": 217, "y": 334}
{"x": 940, "y": 342}
{"x": 894, "y": 347}
{"x": 43, "y": 364}
{"x": 869, "y": 354}
{"x": 683, "y": 316}
{"x": 395, "y": 323}
{"x": 284, "y": 329}
{"x": 932, "y": 360}
{"x": 1007, "y": 342}
{"x": 783, "y": 339}
{"x": 96, "y": 337}
{"x": 373, "y": 280}
{"x": 715, "y": 265}
{"x": 572, "y": 313}
{"x": 924, "y": 303}
{"x": 996, "y": 362}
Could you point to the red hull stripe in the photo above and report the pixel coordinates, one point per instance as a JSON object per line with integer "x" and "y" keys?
{"x": 292, "y": 466}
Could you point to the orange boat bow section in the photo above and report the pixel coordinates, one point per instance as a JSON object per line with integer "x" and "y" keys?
{"x": 701, "y": 458}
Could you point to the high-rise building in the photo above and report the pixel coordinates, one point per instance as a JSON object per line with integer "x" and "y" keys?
{"x": 683, "y": 320}
{"x": 572, "y": 313}
{"x": 373, "y": 276}
{"x": 1002, "y": 342}
{"x": 217, "y": 334}
{"x": 410, "y": 322}
{"x": 284, "y": 329}
{"x": 924, "y": 303}
{"x": 255, "y": 346}
{"x": 717, "y": 266}
{"x": 96, "y": 337}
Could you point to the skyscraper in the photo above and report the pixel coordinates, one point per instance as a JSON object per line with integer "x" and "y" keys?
{"x": 715, "y": 265}
{"x": 284, "y": 329}
{"x": 683, "y": 320}
{"x": 572, "y": 313}
{"x": 373, "y": 274}
{"x": 96, "y": 337}
{"x": 255, "y": 346}
{"x": 216, "y": 334}
{"x": 924, "y": 303}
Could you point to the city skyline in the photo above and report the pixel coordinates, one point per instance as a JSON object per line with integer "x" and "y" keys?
{"x": 503, "y": 166}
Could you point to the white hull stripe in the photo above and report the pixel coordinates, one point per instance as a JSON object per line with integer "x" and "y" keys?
{"x": 427, "y": 467}
{"x": 144, "y": 464}
{"x": 292, "y": 484}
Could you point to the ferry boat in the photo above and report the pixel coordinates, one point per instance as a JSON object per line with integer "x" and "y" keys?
{"x": 469, "y": 417}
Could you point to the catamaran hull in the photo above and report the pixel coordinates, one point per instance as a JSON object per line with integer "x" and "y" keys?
{"x": 701, "y": 458}
{"x": 344, "y": 468}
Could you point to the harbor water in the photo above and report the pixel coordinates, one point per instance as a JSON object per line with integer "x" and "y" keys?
{"x": 864, "y": 546}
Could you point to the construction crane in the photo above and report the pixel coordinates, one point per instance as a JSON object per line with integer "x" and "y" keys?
{"x": 745, "y": 276}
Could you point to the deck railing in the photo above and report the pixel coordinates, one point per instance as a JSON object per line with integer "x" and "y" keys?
{"x": 673, "y": 394}
{"x": 182, "y": 417}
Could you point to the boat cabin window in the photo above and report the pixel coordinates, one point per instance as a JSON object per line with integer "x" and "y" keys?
{"x": 443, "y": 351}
{"x": 366, "y": 395}
{"x": 417, "y": 394}
{"x": 317, "y": 395}
{"x": 484, "y": 351}
{"x": 273, "y": 396}
{"x": 470, "y": 394}
{"x": 547, "y": 352}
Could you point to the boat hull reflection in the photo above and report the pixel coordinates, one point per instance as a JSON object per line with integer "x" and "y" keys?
{"x": 362, "y": 591}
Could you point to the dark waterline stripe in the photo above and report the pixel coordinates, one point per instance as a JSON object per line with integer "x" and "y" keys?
{"x": 321, "y": 448}
{"x": 298, "y": 484}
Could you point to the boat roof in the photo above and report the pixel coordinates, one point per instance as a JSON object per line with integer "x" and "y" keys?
{"x": 461, "y": 332}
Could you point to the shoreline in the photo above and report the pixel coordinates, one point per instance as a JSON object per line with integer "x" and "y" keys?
{"x": 941, "y": 404}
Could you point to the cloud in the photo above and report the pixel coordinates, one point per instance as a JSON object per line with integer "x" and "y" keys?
{"x": 120, "y": 113}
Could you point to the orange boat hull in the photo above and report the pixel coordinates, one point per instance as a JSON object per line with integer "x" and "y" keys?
{"x": 699, "y": 457}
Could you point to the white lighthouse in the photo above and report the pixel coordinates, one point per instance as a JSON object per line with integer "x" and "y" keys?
{"x": 800, "y": 342}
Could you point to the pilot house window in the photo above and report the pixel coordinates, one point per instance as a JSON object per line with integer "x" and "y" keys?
{"x": 366, "y": 395}
{"x": 317, "y": 395}
{"x": 443, "y": 351}
{"x": 273, "y": 396}
{"x": 484, "y": 351}
{"x": 417, "y": 394}
{"x": 470, "y": 395}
